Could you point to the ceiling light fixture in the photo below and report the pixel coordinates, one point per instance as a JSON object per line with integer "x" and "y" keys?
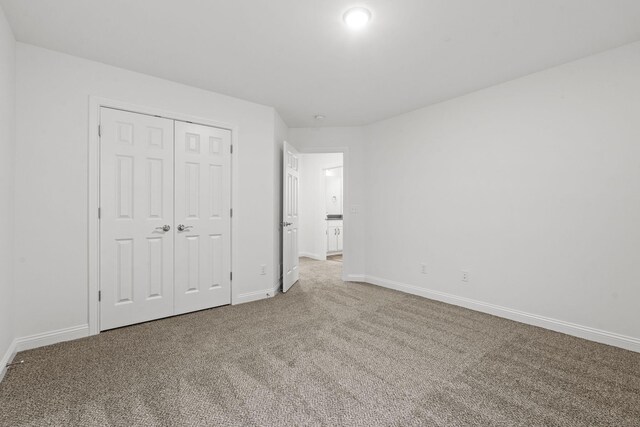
{"x": 318, "y": 117}
{"x": 356, "y": 18}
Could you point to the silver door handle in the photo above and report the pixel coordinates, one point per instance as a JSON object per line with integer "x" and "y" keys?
{"x": 286, "y": 224}
{"x": 182, "y": 227}
{"x": 165, "y": 227}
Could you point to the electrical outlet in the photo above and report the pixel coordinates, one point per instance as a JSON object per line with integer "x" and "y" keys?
{"x": 465, "y": 276}
{"x": 423, "y": 268}
{"x": 263, "y": 269}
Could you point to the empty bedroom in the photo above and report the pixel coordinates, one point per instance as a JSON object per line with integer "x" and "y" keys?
{"x": 320, "y": 213}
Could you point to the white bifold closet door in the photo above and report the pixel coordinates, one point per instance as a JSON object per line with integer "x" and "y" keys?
{"x": 165, "y": 223}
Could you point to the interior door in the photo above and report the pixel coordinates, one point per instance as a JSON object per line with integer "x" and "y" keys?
{"x": 291, "y": 174}
{"x": 203, "y": 217}
{"x": 136, "y": 218}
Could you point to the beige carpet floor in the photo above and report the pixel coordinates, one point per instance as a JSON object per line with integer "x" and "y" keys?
{"x": 326, "y": 353}
{"x": 337, "y": 257}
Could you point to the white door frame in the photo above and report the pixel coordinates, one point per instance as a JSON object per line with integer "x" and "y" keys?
{"x": 346, "y": 215}
{"x": 93, "y": 193}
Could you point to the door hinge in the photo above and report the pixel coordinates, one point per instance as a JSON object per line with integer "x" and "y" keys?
{"x": 231, "y": 148}
{"x": 231, "y": 213}
{"x": 99, "y": 213}
{"x": 99, "y": 296}
{"x": 99, "y": 130}
{"x": 230, "y": 275}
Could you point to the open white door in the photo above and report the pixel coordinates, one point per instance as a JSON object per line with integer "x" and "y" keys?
{"x": 290, "y": 221}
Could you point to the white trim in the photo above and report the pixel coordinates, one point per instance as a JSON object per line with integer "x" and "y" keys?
{"x": 312, "y": 256}
{"x": 257, "y": 295}
{"x": 353, "y": 278}
{"x": 51, "y": 337}
{"x": 7, "y": 358}
{"x": 586, "y": 332}
{"x": 277, "y": 288}
{"x": 40, "y": 340}
{"x": 93, "y": 193}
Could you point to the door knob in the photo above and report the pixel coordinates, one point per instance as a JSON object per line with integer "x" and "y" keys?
{"x": 286, "y": 224}
{"x": 182, "y": 227}
{"x": 165, "y": 227}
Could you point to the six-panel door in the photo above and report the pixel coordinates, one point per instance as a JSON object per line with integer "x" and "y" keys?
{"x": 165, "y": 226}
{"x": 203, "y": 220}
{"x": 290, "y": 179}
{"x": 136, "y": 205}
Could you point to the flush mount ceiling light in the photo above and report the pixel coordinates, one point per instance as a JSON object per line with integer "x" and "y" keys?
{"x": 357, "y": 17}
{"x": 318, "y": 117}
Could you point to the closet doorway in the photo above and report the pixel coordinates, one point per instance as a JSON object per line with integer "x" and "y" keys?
{"x": 164, "y": 217}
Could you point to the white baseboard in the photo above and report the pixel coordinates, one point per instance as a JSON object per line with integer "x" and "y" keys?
{"x": 353, "y": 278}
{"x": 257, "y": 295}
{"x": 51, "y": 337}
{"x": 7, "y": 358}
{"x": 586, "y": 332}
{"x": 41, "y": 340}
{"x": 277, "y": 288}
{"x": 312, "y": 256}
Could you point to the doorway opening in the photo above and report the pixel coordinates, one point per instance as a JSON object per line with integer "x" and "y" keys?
{"x": 315, "y": 220}
{"x": 321, "y": 229}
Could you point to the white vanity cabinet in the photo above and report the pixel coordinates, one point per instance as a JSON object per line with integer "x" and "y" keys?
{"x": 334, "y": 236}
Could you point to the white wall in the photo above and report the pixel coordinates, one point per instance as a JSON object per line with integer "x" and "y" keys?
{"x": 351, "y": 138}
{"x": 53, "y": 92}
{"x": 533, "y": 186}
{"x": 312, "y": 226}
{"x": 7, "y": 154}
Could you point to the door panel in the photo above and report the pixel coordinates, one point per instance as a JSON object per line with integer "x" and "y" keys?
{"x": 290, "y": 219}
{"x": 136, "y": 201}
{"x": 331, "y": 239}
{"x": 202, "y": 206}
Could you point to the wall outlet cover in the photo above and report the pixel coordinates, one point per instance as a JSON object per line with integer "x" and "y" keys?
{"x": 465, "y": 276}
